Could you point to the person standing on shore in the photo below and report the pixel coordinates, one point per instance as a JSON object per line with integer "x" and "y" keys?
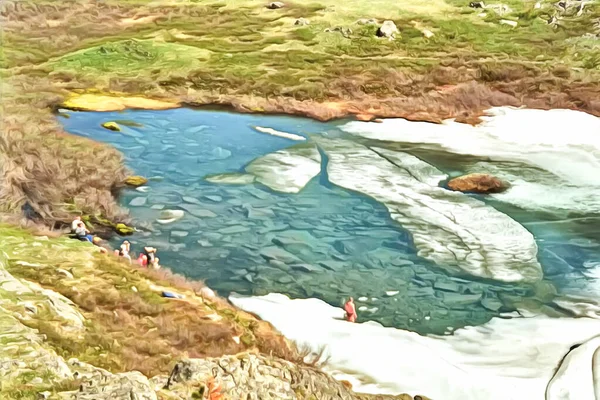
{"x": 350, "y": 310}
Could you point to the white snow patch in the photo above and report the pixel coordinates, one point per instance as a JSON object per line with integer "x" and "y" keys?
{"x": 564, "y": 143}
{"x": 505, "y": 359}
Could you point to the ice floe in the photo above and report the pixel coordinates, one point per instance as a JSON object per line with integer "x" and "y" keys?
{"x": 504, "y": 359}
{"x": 274, "y": 132}
{"x": 564, "y": 143}
{"x": 287, "y": 170}
{"x": 452, "y": 229}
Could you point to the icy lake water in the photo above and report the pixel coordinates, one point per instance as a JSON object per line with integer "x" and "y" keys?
{"x": 340, "y": 237}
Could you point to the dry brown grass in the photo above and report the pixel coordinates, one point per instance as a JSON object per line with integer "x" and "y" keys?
{"x": 137, "y": 329}
{"x": 52, "y": 172}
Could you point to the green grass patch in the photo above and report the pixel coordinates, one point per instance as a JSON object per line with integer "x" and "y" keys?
{"x": 130, "y": 57}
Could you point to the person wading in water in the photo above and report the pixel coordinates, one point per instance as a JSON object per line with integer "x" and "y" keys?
{"x": 350, "y": 310}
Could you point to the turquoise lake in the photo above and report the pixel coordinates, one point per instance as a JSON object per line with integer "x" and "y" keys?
{"x": 325, "y": 241}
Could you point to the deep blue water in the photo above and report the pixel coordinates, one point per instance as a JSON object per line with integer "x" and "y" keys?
{"x": 323, "y": 242}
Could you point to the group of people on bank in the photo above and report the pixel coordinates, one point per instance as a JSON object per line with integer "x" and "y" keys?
{"x": 146, "y": 258}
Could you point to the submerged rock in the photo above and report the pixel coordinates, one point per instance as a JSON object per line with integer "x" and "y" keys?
{"x": 230, "y": 230}
{"x": 190, "y": 200}
{"x": 236, "y": 179}
{"x": 478, "y": 183}
{"x": 275, "y": 253}
{"x": 198, "y": 211}
{"x": 138, "y": 202}
{"x": 219, "y": 153}
{"x": 214, "y": 198}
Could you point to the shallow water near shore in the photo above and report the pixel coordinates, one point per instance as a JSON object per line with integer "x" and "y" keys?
{"x": 335, "y": 238}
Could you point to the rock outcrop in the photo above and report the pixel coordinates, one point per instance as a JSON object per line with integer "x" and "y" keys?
{"x": 275, "y": 5}
{"x": 251, "y": 376}
{"x": 388, "y": 30}
{"x": 98, "y": 384}
{"x": 478, "y": 183}
{"x": 111, "y": 126}
{"x": 135, "y": 181}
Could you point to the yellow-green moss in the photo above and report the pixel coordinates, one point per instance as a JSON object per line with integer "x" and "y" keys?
{"x": 112, "y": 126}
{"x": 136, "y": 181}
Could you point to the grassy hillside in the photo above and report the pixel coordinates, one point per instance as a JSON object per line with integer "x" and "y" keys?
{"x": 90, "y": 306}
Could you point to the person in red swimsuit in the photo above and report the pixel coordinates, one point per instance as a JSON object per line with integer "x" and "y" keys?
{"x": 350, "y": 310}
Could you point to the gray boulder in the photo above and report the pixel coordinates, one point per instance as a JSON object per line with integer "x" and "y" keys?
{"x": 302, "y": 22}
{"x": 388, "y": 30}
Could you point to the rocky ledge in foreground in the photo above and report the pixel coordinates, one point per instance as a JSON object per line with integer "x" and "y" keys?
{"x": 251, "y": 376}
{"x": 241, "y": 376}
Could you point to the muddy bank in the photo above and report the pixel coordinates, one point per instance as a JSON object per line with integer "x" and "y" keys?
{"x": 465, "y": 102}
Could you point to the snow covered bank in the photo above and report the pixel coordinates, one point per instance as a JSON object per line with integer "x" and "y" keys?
{"x": 452, "y": 229}
{"x": 563, "y": 142}
{"x": 504, "y": 359}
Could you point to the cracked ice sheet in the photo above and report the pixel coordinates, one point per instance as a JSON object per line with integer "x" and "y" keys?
{"x": 450, "y": 228}
{"x": 287, "y": 170}
{"x": 564, "y": 143}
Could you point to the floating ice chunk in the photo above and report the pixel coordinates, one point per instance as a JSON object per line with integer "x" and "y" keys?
{"x": 169, "y": 216}
{"x": 273, "y": 132}
{"x": 452, "y": 229}
{"x": 287, "y": 170}
{"x": 138, "y": 202}
{"x": 190, "y": 200}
